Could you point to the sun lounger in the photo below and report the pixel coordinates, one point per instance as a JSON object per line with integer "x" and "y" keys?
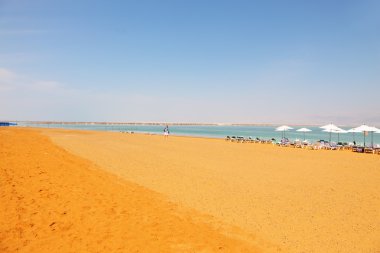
{"x": 309, "y": 146}
{"x": 284, "y": 143}
{"x": 297, "y": 144}
{"x": 358, "y": 149}
{"x": 240, "y": 139}
{"x": 369, "y": 150}
{"x": 233, "y": 138}
{"x": 251, "y": 140}
{"x": 335, "y": 146}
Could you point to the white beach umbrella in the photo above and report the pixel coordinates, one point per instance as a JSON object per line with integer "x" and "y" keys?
{"x": 330, "y": 128}
{"x": 367, "y": 129}
{"x": 283, "y": 129}
{"x": 338, "y": 131}
{"x": 304, "y": 130}
{"x": 364, "y": 128}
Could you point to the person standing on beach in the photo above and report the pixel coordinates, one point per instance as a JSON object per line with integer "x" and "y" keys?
{"x": 166, "y": 131}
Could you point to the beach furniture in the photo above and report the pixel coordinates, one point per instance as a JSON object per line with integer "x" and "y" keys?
{"x": 331, "y": 128}
{"x": 297, "y": 143}
{"x": 358, "y": 149}
{"x": 284, "y": 142}
{"x": 367, "y": 129}
{"x": 240, "y": 139}
{"x": 331, "y": 146}
{"x": 305, "y": 144}
{"x": 293, "y": 144}
{"x": 369, "y": 150}
{"x": 247, "y": 139}
{"x": 320, "y": 145}
{"x": 250, "y": 139}
{"x": 377, "y": 149}
{"x": 309, "y": 145}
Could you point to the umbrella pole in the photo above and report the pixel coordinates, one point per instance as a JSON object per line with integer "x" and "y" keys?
{"x": 303, "y": 135}
{"x": 330, "y": 138}
{"x": 364, "y": 138}
{"x": 338, "y": 137}
{"x": 372, "y": 139}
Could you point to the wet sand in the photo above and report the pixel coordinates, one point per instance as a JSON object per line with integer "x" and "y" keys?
{"x": 281, "y": 199}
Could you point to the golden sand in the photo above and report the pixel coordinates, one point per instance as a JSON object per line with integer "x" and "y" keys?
{"x": 53, "y": 201}
{"x": 291, "y": 200}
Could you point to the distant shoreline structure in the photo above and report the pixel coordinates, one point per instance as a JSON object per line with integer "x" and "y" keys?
{"x": 159, "y": 123}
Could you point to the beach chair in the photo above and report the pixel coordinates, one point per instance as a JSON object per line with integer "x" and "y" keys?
{"x": 297, "y": 143}
{"x": 308, "y": 145}
{"x": 247, "y": 140}
{"x": 322, "y": 145}
{"x": 305, "y": 143}
{"x": 240, "y": 139}
{"x": 358, "y": 149}
{"x": 284, "y": 142}
{"x": 250, "y": 139}
{"x": 333, "y": 146}
{"x": 347, "y": 146}
{"x": 376, "y": 149}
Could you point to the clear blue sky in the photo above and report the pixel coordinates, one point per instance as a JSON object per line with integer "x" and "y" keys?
{"x": 191, "y": 61}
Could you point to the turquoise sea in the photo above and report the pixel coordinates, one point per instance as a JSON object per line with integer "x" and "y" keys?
{"x": 216, "y": 131}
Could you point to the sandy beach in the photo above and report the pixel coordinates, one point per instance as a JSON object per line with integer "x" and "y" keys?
{"x": 87, "y": 191}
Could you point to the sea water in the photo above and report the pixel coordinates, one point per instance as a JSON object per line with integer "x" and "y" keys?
{"x": 220, "y": 131}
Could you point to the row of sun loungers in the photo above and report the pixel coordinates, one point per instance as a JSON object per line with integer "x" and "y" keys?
{"x": 319, "y": 145}
{"x": 315, "y": 146}
{"x": 368, "y": 150}
{"x": 241, "y": 139}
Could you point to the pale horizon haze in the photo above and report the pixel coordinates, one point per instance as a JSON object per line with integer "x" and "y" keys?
{"x": 293, "y": 62}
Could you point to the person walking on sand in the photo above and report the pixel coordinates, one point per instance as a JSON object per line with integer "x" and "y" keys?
{"x": 166, "y": 131}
